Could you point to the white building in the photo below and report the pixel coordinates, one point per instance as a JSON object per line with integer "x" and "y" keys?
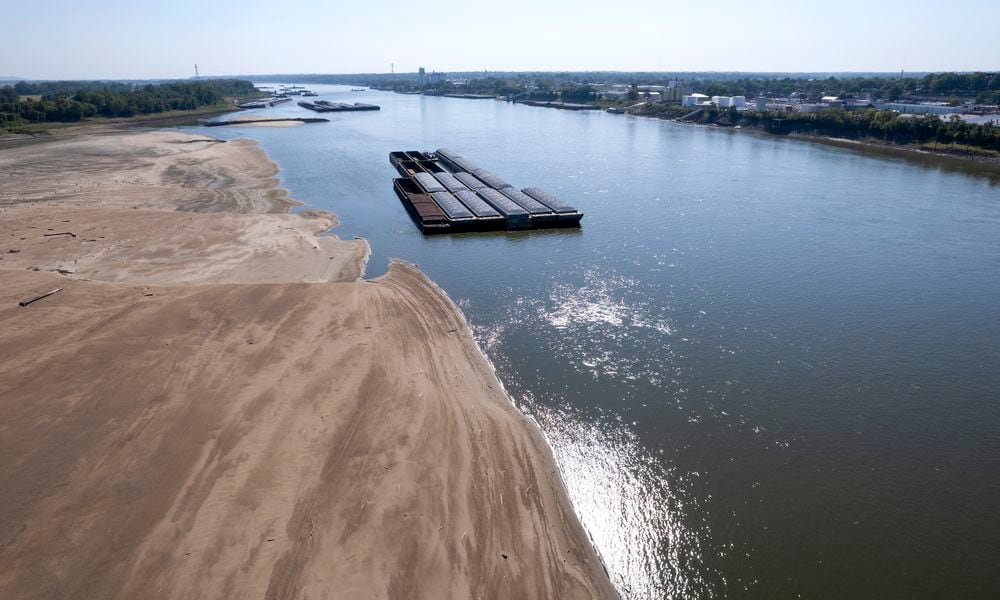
{"x": 694, "y": 100}
{"x": 729, "y": 101}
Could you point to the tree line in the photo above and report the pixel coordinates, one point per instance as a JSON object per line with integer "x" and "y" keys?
{"x": 981, "y": 87}
{"x": 70, "y": 101}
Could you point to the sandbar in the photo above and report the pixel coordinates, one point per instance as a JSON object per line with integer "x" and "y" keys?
{"x": 217, "y": 406}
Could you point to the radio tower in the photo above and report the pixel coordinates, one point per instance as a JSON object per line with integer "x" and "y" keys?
{"x": 196, "y": 76}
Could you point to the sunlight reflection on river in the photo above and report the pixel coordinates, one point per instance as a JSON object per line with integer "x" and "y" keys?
{"x": 625, "y": 501}
{"x": 628, "y": 499}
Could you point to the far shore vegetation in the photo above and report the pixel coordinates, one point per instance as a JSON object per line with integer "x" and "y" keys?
{"x": 29, "y": 106}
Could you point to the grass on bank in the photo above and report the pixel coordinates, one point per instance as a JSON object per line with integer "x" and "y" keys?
{"x": 957, "y": 149}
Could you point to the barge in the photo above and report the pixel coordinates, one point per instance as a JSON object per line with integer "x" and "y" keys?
{"x": 327, "y": 106}
{"x": 447, "y": 193}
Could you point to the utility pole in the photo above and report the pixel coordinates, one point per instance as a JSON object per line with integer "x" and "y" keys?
{"x": 196, "y": 76}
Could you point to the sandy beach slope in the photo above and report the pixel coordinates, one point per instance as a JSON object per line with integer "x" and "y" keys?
{"x": 209, "y": 410}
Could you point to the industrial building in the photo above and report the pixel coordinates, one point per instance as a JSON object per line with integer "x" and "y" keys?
{"x": 935, "y": 108}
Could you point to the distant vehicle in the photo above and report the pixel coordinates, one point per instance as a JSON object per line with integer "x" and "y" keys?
{"x": 358, "y": 90}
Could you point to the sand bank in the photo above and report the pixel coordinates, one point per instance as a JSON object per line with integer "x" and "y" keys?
{"x": 156, "y": 170}
{"x": 209, "y": 410}
{"x": 153, "y": 247}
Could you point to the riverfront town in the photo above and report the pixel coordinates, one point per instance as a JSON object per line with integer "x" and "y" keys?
{"x": 974, "y": 97}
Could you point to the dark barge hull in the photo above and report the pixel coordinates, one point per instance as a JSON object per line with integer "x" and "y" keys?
{"x": 411, "y": 162}
{"x": 406, "y": 166}
{"x": 427, "y": 215}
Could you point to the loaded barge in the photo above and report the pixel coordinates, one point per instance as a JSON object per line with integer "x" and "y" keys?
{"x": 446, "y": 193}
{"x": 327, "y": 106}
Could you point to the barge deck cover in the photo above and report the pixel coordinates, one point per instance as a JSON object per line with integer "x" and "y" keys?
{"x": 491, "y": 180}
{"x": 452, "y": 206}
{"x": 428, "y": 183}
{"x": 549, "y": 200}
{"x": 477, "y": 205}
{"x": 456, "y": 161}
{"x": 470, "y": 181}
{"x": 526, "y": 202}
{"x": 505, "y": 205}
{"x": 450, "y": 182}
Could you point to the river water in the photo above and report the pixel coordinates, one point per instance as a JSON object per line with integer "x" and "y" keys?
{"x": 767, "y": 367}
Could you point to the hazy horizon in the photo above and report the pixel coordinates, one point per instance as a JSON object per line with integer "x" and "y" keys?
{"x": 15, "y": 77}
{"x": 305, "y": 37}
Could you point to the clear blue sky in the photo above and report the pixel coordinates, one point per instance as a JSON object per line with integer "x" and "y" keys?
{"x": 116, "y": 39}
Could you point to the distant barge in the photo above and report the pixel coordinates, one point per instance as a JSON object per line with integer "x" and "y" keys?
{"x": 326, "y": 106}
{"x": 263, "y": 103}
{"x": 446, "y": 193}
{"x": 278, "y": 120}
{"x": 561, "y": 105}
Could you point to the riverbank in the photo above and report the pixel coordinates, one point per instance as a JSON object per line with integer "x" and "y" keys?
{"x": 946, "y": 152}
{"x": 215, "y": 405}
{"x": 939, "y": 154}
